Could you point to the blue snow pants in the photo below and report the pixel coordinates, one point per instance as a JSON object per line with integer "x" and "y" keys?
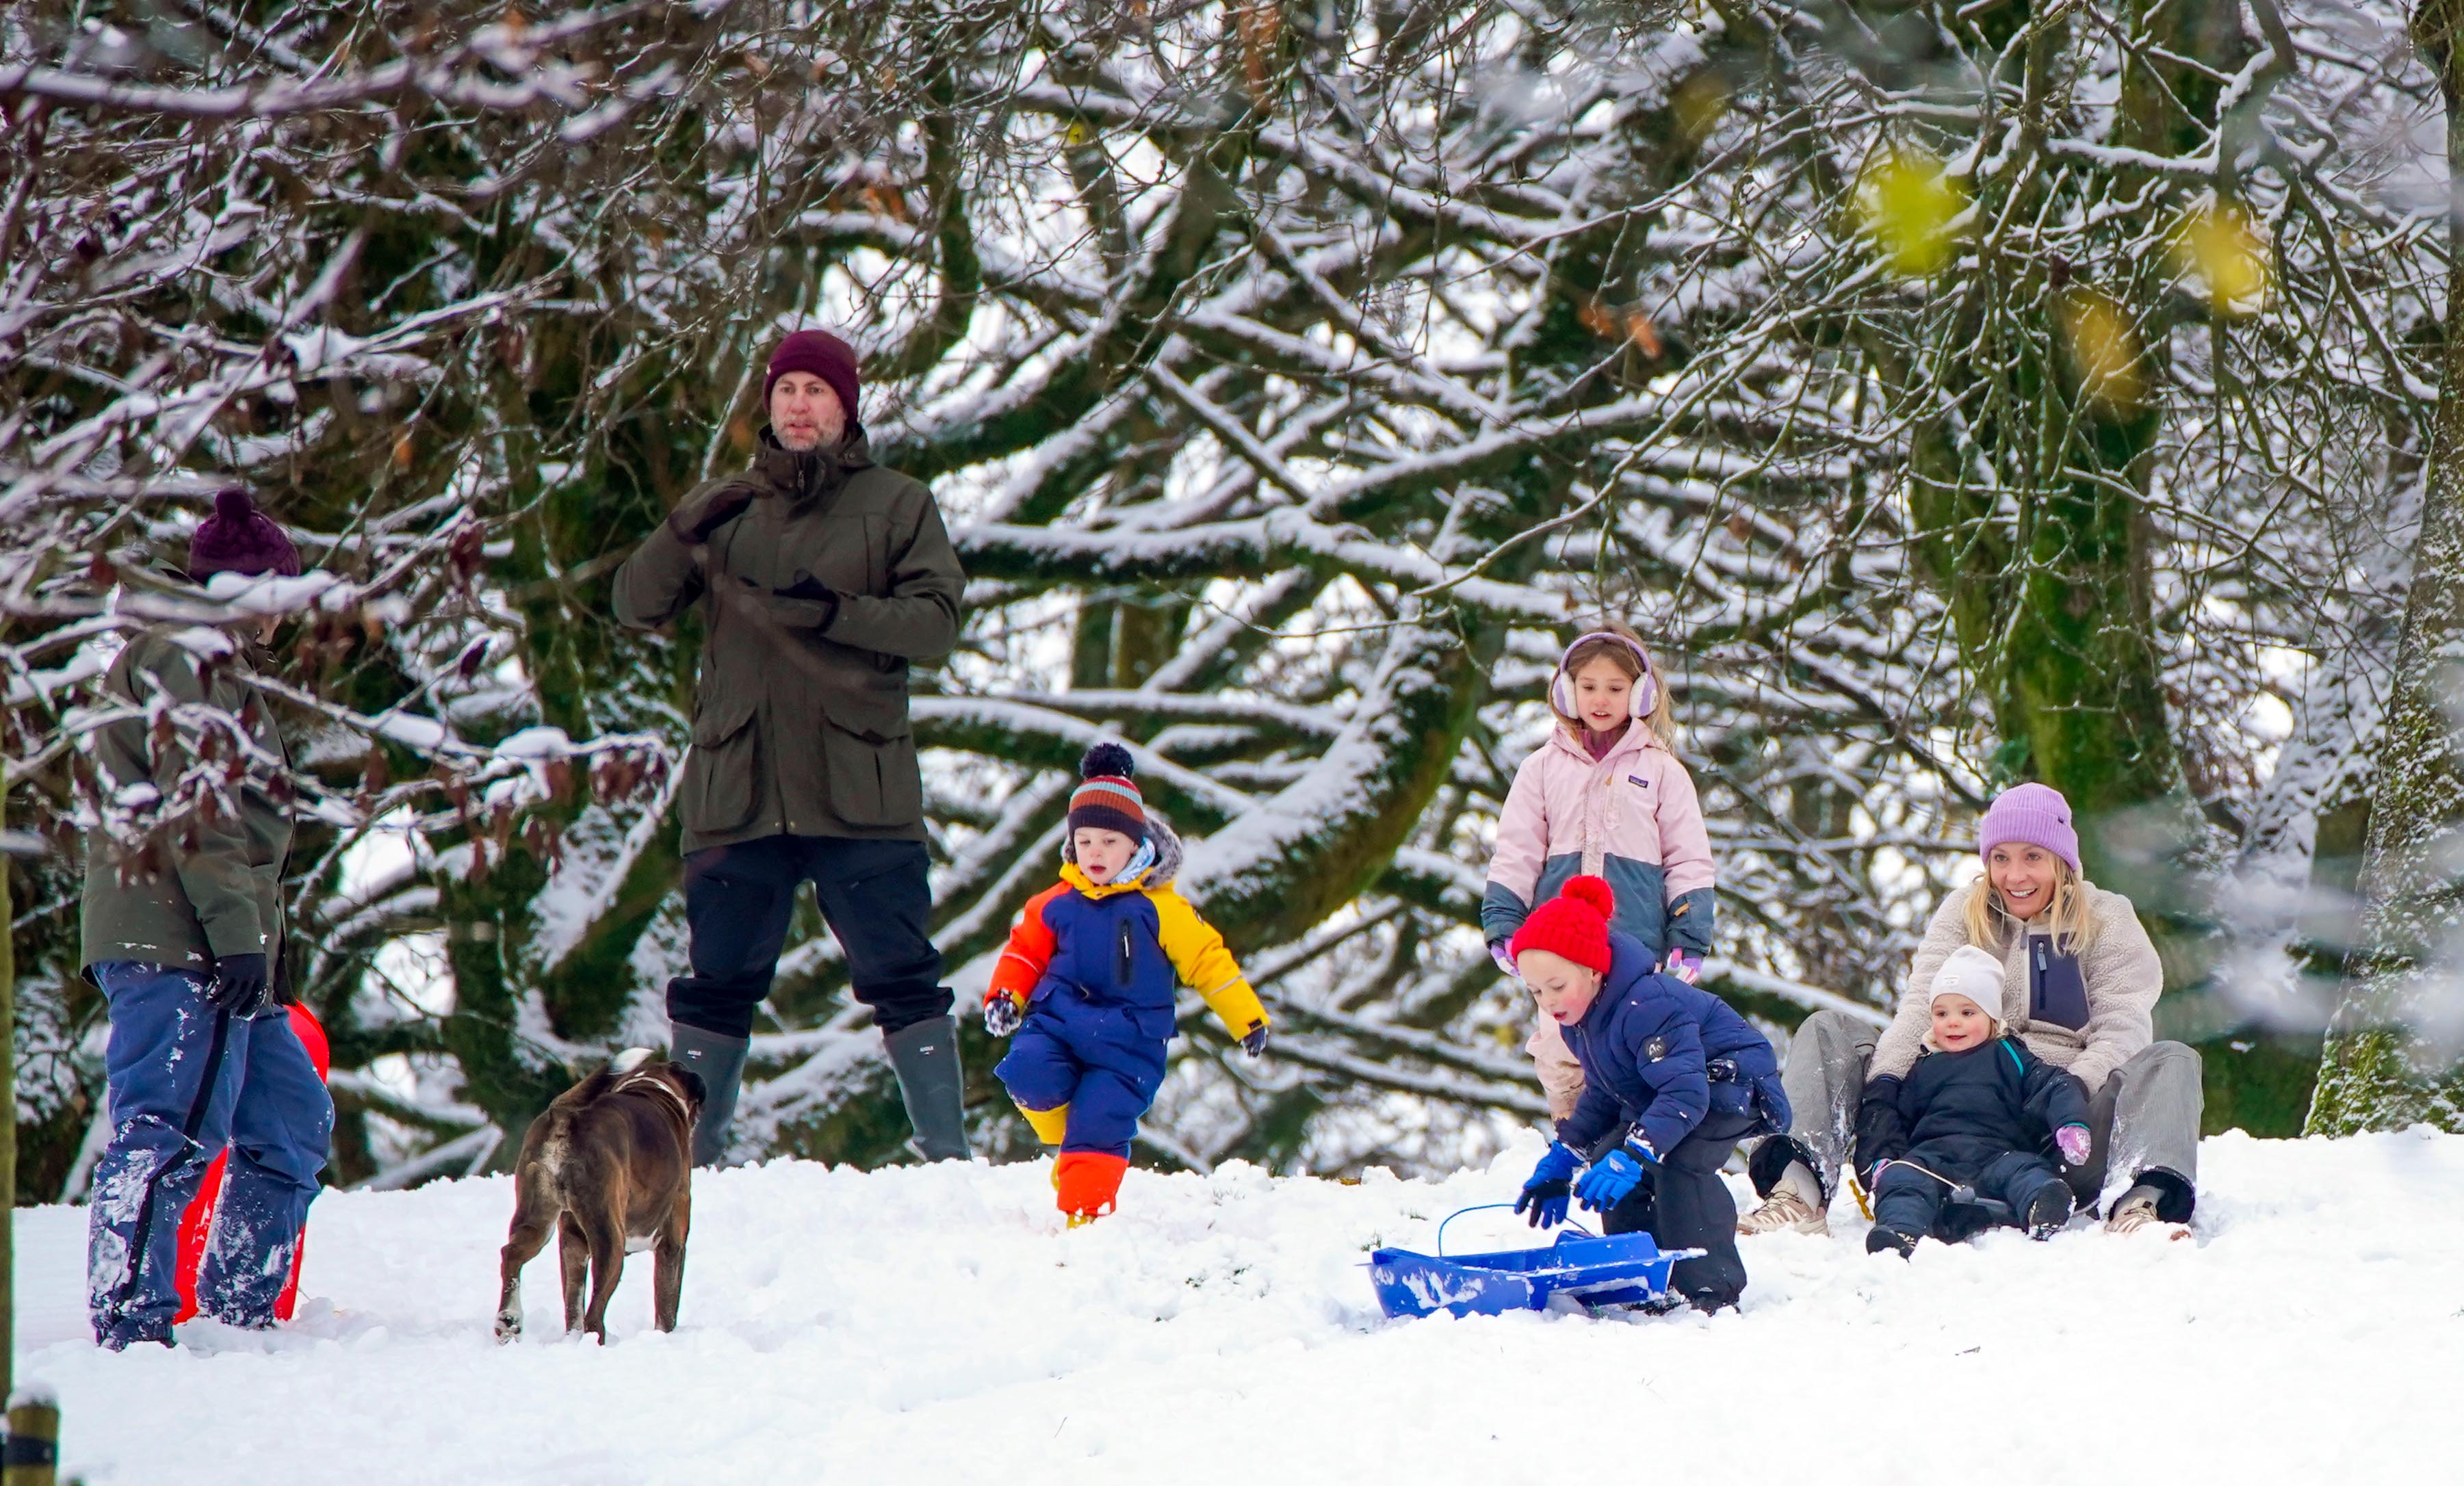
{"x": 187, "y": 1081}
{"x": 1104, "y": 1061}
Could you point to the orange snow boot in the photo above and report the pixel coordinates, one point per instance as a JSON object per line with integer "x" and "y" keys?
{"x": 1086, "y": 1183}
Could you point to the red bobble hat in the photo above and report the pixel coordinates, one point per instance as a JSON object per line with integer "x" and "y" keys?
{"x": 1574, "y": 923}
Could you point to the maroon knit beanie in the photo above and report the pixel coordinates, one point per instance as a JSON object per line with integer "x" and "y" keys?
{"x": 239, "y": 538}
{"x": 823, "y": 355}
{"x": 1574, "y": 923}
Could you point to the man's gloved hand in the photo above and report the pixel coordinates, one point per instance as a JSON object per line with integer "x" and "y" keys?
{"x": 1614, "y": 1175}
{"x": 1683, "y": 964}
{"x": 1002, "y": 1015}
{"x": 694, "y": 522}
{"x": 1551, "y": 1183}
{"x": 812, "y": 589}
{"x": 239, "y": 985}
{"x": 1254, "y": 1044}
{"x": 2073, "y": 1142}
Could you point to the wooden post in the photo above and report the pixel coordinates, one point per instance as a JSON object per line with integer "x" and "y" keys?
{"x": 8, "y": 1124}
{"x": 32, "y": 1457}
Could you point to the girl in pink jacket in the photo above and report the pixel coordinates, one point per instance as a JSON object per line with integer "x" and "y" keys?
{"x": 1605, "y": 797}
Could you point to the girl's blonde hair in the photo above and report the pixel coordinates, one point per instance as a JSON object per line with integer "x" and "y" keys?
{"x": 1660, "y": 718}
{"x": 2072, "y": 918}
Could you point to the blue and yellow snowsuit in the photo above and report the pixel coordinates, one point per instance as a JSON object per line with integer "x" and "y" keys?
{"x": 1098, "y": 967}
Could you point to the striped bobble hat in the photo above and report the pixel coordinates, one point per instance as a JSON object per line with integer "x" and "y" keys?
{"x": 1110, "y": 800}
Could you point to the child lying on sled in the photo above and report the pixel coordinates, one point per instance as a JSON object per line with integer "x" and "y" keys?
{"x": 1979, "y": 1117}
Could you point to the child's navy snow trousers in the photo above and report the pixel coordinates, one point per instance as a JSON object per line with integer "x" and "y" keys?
{"x": 185, "y": 1081}
{"x": 1103, "y": 1060}
{"x": 1910, "y": 1200}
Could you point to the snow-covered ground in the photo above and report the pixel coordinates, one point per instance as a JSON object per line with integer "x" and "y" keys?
{"x": 939, "y": 1326}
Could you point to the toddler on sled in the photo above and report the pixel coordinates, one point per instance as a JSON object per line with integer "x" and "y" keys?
{"x": 1979, "y": 1117}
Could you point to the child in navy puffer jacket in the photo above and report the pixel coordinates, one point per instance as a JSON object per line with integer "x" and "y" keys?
{"x": 1976, "y": 1116}
{"x": 1673, "y": 1077}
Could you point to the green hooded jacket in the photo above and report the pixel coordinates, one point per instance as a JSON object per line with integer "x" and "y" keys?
{"x": 206, "y": 878}
{"x": 799, "y": 724}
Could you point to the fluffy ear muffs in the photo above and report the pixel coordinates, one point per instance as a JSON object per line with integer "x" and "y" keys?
{"x": 1561, "y": 687}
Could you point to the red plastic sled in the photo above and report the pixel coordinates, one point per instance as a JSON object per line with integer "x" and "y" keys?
{"x": 199, "y": 1221}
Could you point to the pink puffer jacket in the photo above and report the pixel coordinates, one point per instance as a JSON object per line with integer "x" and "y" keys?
{"x": 1633, "y": 818}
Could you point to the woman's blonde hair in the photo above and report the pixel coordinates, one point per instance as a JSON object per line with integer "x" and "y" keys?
{"x": 2072, "y": 918}
{"x": 1628, "y": 657}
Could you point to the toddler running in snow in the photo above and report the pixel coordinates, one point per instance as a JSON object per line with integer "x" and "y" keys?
{"x": 1088, "y": 981}
{"x": 1978, "y": 1111}
{"x": 1605, "y": 797}
{"x": 1673, "y": 1077}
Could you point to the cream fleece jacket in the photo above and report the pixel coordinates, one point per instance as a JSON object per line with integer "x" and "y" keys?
{"x": 2121, "y": 972}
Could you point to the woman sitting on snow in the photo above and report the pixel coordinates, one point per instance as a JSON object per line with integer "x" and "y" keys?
{"x": 1673, "y": 1077}
{"x": 2079, "y": 982}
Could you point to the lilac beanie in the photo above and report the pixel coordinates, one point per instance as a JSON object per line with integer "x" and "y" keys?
{"x": 2034, "y": 815}
{"x": 239, "y": 538}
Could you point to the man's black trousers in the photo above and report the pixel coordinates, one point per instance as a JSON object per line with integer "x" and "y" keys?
{"x": 874, "y": 896}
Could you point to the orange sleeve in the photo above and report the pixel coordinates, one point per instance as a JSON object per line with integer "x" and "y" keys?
{"x": 1030, "y": 950}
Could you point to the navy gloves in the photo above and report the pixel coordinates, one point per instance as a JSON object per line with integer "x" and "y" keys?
{"x": 1552, "y": 1183}
{"x": 1614, "y": 1175}
{"x": 813, "y": 590}
{"x": 240, "y": 985}
{"x": 1002, "y": 1015}
{"x": 1255, "y": 1043}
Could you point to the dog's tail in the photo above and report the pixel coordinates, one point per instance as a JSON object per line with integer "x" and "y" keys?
{"x": 557, "y": 1146}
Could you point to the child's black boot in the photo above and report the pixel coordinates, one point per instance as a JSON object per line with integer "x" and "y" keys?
{"x": 2048, "y": 1210}
{"x": 1882, "y": 1238}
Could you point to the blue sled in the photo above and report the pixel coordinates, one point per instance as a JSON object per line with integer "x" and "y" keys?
{"x": 1622, "y": 1268}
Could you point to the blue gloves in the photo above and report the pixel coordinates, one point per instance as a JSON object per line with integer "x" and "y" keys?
{"x": 1552, "y": 1182}
{"x": 1614, "y": 1175}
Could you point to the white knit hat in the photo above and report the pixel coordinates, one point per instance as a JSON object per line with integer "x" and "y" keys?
{"x": 1974, "y": 974}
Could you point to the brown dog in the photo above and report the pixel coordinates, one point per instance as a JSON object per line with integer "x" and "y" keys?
{"x": 610, "y": 1165}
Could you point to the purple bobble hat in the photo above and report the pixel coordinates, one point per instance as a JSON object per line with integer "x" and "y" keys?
{"x": 239, "y": 538}
{"x": 2033, "y": 815}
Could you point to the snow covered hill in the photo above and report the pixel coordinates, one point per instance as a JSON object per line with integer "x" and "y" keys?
{"x": 938, "y": 1325}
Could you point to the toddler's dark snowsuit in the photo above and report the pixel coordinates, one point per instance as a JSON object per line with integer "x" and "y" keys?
{"x": 1674, "y": 1067}
{"x": 1983, "y": 1117}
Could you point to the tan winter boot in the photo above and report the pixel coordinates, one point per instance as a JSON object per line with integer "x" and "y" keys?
{"x": 1788, "y": 1208}
{"x": 2136, "y": 1210}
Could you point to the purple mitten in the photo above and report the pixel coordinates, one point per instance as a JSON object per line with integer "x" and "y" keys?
{"x": 1505, "y": 961}
{"x": 2073, "y": 1142}
{"x": 1682, "y": 964}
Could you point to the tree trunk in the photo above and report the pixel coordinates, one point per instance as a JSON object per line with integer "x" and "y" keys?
{"x": 2391, "y": 1055}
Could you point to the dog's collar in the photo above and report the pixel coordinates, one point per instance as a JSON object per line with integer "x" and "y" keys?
{"x": 646, "y": 1079}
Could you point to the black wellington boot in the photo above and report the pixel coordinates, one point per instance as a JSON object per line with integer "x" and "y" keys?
{"x": 718, "y": 1059}
{"x": 926, "y": 1059}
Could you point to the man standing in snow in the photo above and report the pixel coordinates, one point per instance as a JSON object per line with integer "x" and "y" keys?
{"x": 821, "y": 577}
{"x": 183, "y": 931}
